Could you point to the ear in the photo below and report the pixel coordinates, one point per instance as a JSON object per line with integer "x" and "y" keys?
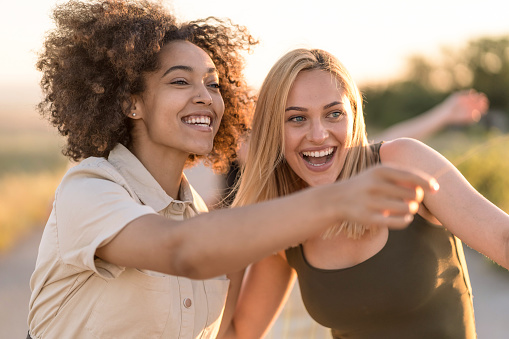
{"x": 135, "y": 112}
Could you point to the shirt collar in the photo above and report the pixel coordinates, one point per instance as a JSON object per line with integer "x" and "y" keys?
{"x": 143, "y": 183}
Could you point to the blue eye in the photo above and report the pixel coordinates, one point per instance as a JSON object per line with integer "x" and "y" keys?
{"x": 336, "y": 114}
{"x": 297, "y": 118}
{"x": 215, "y": 85}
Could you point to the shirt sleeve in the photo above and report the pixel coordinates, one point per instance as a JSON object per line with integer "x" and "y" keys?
{"x": 92, "y": 206}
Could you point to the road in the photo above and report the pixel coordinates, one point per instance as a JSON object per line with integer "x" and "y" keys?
{"x": 490, "y": 286}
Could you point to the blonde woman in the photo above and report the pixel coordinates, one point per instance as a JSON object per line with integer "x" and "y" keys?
{"x": 362, "y": 280}
{"x": 463, "y": 107}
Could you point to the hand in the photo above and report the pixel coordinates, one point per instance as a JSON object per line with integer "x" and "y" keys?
{"x": 385, "y": 195}
{"x": 464, "y": 107}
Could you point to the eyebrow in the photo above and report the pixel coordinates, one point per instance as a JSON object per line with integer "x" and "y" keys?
{"x": 187, "y": 69}
{"x": 302, "y": 109}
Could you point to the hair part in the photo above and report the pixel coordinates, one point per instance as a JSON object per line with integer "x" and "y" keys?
{"x": 266, "y": 175}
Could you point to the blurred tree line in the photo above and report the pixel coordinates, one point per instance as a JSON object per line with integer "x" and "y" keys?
{"x": 478, "y": 152}
{"x": 483, "y": 65}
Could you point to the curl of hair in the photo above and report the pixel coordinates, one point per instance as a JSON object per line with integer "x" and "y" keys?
{"x": 266, "y": 175}
{"x": 96, "y": 58}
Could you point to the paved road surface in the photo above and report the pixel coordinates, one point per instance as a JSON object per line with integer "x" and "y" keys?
{"x": 490, "y": 286}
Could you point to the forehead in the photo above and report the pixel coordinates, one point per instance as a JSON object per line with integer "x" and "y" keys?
{"x": 315, "y": 86}
{"x": 182, "y": 52}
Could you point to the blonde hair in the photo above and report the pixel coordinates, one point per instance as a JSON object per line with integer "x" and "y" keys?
{"x": 266, "y": 175}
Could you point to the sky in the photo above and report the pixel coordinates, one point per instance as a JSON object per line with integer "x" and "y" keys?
{"x": 372, "y": 38}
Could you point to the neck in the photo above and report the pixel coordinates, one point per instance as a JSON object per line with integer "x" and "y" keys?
{"x": 165, "y": 165}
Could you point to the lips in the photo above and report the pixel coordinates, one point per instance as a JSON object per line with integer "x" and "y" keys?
{"x": 318, "y": 158}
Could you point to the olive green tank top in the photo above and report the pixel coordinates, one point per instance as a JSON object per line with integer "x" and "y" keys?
{"x": 417, "y": 286}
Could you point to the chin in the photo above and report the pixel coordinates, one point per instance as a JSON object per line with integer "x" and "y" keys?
{"x": 203, "y": 150}
{"x": 320, "y": 181}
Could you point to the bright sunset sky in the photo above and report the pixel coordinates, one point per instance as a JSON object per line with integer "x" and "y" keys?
{"x": 373, "y": 38}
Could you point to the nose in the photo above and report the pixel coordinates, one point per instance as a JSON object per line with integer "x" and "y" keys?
{"x": 317, "y": 132}
{"x": 202, "y": 96}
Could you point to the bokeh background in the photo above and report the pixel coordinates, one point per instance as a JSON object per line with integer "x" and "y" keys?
{"x": 406, "y": 57}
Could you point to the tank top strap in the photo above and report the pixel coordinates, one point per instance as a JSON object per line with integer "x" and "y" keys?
{"x": 295, "y": 258}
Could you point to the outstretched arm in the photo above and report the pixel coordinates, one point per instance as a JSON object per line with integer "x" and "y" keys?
{"x": 460, "y": 108}
{"x": 457, "y": 205}
{"x": 228, "y": 240}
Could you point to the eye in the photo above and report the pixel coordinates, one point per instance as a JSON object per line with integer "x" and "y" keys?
{"x": 179, "y": 82}
{"x": 296, "y": 118}
{"x": 336, "y": 114}
{"x": 215, "y": 85}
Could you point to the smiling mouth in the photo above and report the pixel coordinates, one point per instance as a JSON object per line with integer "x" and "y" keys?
{"x": 319, "y": 158}
{"x": 202, "y": 120}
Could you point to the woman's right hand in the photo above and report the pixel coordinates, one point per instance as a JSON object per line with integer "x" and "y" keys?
{"x": 385, "y": 195}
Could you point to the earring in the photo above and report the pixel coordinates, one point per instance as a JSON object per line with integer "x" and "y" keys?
{"x": 134, "y": 114}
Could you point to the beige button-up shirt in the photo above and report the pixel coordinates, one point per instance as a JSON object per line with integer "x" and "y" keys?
{"x": 77, "y": 295}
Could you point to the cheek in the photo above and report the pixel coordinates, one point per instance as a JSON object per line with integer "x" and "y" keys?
{"x": 344, "y": 132}
{"x": 291, "y": 144}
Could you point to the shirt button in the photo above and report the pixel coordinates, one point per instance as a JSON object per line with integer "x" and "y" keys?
{"x": 187, "y": 302}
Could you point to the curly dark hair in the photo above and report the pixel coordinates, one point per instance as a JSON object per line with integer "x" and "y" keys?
{"x": 96, "y": 58}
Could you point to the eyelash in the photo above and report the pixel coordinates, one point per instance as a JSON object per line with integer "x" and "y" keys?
{"x": 340, "y": 113}
{"x": 179, "y": 82}
{"x": 295, "y": 117}
{"x": 184, "y": 82}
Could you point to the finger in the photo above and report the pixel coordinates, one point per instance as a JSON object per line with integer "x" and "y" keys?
{"x": 398, "y": 192}
{"x": 394, "y": 207}
{"x": 476, "y": 115}
{"x": 413, "y": 178}
{"x": 413, "y": 206}
{"x": 419, "y": 194}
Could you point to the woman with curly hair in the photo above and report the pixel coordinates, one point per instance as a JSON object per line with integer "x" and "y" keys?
{"x": 127, "y": 252}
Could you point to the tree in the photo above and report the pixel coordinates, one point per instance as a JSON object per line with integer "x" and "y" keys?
{"x": 483, "y": 64}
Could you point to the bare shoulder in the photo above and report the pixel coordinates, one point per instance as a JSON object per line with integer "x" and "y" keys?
{"x": 391, "y": 149}
{"x": 407, "y": 151}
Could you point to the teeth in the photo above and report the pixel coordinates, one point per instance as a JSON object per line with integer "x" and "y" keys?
{"x": 202, "y": 121}
{"x": 319, "y": 154}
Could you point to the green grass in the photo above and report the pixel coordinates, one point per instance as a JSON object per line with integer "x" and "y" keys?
{"x": 25, "y": 203}
{"x": 31, "y": 166}
{"x": 30, "y": 152}
{"x": 482, "y": 159}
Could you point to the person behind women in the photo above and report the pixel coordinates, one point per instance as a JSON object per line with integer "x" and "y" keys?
{"x": 139, "y": 97}
{"x": 361, "y": 280}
